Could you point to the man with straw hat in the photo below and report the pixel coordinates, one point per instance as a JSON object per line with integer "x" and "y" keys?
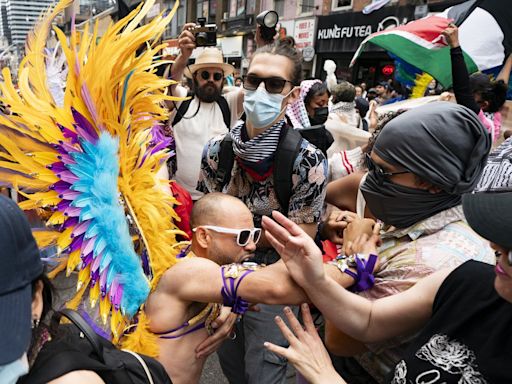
{"x": 207, "y": 114}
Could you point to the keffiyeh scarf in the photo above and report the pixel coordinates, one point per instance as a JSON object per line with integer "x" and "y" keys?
{"x": 296, "y": 112}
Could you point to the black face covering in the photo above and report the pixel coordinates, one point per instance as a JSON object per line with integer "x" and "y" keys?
{"x": 403, "y": 206}
{"x": 443, "y": 144}
{"x": 321, "y": 115}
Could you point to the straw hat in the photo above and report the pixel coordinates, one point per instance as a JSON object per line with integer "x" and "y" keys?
{"x": 210, "y": 57}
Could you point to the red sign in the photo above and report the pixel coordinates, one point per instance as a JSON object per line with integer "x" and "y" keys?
{"x": 388, "y": 70}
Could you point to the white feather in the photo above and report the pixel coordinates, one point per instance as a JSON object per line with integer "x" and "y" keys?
{"x": 56, "y": 73}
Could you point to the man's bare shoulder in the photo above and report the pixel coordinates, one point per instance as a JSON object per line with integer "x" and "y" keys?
{"x": 187, "y": 268}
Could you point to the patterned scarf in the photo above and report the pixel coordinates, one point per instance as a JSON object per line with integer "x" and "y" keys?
{"x": 343, "y": 107}
{"x": 256, "y": 155}
{"x": 296, "y": 112}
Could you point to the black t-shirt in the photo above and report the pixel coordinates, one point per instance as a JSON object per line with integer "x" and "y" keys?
{"x": 469, "y": 337}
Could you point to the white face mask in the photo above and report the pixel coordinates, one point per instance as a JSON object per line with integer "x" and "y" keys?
{"x": 10, "y": 373}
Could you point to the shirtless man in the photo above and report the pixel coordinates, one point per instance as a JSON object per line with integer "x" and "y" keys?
{"x": 184, "y": 288}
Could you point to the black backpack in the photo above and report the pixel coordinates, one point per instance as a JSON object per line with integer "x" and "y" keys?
{"x": 286, "y": 153}
{"x": 77, "y": 347}
{"x": 221, "y": 101}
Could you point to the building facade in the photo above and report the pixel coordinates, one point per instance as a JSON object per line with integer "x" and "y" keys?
{"x": 20, "y": 17}
{"x": 322, "y": 29}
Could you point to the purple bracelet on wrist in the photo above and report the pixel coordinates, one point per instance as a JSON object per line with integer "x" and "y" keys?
{"x": 363, "y": 277}
{"x": 229, "y": 290}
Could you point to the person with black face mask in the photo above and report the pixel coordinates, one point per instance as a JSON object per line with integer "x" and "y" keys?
{"x": 310, "y": 112}
{"x": 311, "y": 108}
{"x": 421, "y": 163}
{"x": 317, "y": 101}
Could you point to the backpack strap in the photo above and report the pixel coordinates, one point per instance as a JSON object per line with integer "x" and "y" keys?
{"x": 143, "y": 364}
{"x": 82, "y": 325}
{"x": 286, "y": 153}
{"x": 226, "y": 113}
{"x": 226, "y": 160}
{"x": 183, "y": 108}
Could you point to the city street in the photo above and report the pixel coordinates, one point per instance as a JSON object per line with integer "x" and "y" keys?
{"x": 177, "y": 173}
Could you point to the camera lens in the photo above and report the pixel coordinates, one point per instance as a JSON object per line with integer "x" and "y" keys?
{"x": 270, "y": 19}
{"x": 201, "y": 38}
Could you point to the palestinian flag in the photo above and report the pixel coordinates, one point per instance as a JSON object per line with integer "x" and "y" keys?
{"x": 485, "y": 35}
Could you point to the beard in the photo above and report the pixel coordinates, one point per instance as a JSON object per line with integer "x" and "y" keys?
{"x": 220, "y": 256}
{"x": 208, "y": 92}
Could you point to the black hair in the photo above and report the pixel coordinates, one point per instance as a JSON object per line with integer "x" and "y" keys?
{"x": 283, "y": 48}
{"x": 316, "y": 89}
{"x": 494, "y": 92}
{"x": 362, "y": 106}
{"x": 42, "y": 329}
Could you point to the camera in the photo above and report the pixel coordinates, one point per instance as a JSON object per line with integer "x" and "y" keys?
{"x": 267, "y": 20}
{"x": 205, "y": 34}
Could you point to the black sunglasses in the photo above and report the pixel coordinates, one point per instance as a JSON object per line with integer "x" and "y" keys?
{"x": 380, "y": 173}
{"x": 205, "y": 75}
{"x": 272, "y": 84}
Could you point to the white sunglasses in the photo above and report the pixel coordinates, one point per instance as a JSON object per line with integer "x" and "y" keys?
{"x": 243, "y": 236}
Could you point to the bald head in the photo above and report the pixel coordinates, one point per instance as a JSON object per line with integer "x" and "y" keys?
{"x": 218, "y": 209}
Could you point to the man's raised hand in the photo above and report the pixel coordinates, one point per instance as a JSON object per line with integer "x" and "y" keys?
{"x": 298, "y": 250}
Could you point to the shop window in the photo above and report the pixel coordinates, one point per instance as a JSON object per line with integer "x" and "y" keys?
{"x": 182, "y": 10}
{"x": 251, "y": 7}
{"x": 203, "y": 9}
{"x": 212, "y": 14}
{"x": 307, "y": 6}
{"x": 279, "y": 7}
{"x": 341, "y": 4}
{"x": 173, "y": 29}
{"x": 236, "y": 8}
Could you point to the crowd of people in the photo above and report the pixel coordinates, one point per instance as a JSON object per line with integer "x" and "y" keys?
{"x": 392, "y": 230}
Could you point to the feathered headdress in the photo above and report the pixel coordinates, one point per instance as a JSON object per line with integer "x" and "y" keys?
{"x": 91, "y": 159}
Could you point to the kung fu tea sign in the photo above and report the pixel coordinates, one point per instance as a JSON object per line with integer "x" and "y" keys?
{"x": 343, "y": 32}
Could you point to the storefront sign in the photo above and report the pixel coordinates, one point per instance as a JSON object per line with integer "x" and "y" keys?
{"x": 304, "y": 33}
{"x": 231, "y": 46}
{"x": 344, "y": 32}
{"x": 388, "y": 70}
{"x": 286, "y": 28}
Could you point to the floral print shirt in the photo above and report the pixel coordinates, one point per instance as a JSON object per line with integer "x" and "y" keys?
{"x": 307, "y": 192}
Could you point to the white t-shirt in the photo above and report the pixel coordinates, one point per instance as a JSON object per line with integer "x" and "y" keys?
{"x": 191, "y": 135}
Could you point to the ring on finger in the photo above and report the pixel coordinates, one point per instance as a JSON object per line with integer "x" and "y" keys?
{"x": 232, "y": 335}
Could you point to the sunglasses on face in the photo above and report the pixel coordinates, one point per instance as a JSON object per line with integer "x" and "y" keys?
{"x": 217, "y": 76}
{"x": 378, "y": 171}
{"x": 272, "y": 84}
{"x": 243, "y": 236}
